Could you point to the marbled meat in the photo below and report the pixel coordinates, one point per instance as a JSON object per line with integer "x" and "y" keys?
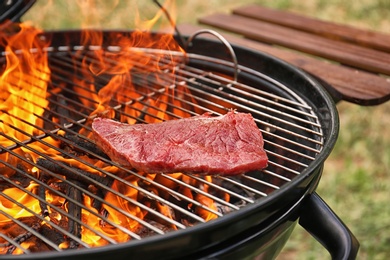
{"x": 209, "y": 145}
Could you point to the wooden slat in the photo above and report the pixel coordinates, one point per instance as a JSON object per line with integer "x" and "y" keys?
{"x": 345, "y": 53}
{"x": 370, "y": 39}
{"x": 355, "y": 86}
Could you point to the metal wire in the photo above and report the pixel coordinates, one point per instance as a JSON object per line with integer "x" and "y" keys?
{"x": 292, "y": 135}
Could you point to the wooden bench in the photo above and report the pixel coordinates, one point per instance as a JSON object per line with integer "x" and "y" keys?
{"x": 353, "y": 61}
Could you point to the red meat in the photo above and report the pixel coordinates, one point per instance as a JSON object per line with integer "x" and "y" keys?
{"x": 226, "y": 145}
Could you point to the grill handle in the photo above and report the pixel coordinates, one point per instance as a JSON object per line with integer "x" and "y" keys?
{"x": 322, "y": 223}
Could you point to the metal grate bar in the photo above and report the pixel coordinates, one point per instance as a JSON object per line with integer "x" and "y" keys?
{"x": 147, "y": 193}
{"x": 296, "y": 143}
{"x": 209, "y": 90}
{"x": 180, "y": 58}
{"x": 292, "y": 136}
{"x": 21, "y": 224}
{"x": 255, "y": 180}
{"x": 81, "y": 205}
{"x": 230, "y": 99}
{"x": 255, "y": 191}
{"x": 11, "y": 241}
{"x": 110, "y": 190}
{"x": 203, "y": 193}
{"x": 202, "y": 205}
{"x": 261, "y": 96}
{"x": 193, "y": 73}
{"x": 275, "y": 127}
{"x": 271, "y": 126}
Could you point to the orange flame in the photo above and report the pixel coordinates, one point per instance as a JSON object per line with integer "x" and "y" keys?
{"x": 23, "y": 92}
{"x": 24, "y": 96}
{"x": 22, "y": 197}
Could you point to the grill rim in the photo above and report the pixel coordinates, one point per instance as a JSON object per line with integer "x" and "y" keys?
{"x": 308, "y": 175}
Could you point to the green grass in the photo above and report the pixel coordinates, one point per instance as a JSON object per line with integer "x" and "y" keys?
{"x": 356, "y": 179}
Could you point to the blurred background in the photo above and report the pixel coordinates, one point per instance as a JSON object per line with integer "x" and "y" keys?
{"x": 356, "y": 179}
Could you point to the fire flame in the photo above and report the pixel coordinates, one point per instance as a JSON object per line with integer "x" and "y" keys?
{"x": 24, "y": 84}
{"x": 24, "y": 96}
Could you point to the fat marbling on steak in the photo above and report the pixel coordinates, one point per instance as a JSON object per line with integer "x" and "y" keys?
{"x": 224, "y": 145}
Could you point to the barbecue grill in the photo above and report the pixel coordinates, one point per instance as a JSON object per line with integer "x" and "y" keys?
{"x": 70, "y": 200}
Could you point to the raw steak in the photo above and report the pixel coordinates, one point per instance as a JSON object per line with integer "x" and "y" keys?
{"x": 225, "y": 145}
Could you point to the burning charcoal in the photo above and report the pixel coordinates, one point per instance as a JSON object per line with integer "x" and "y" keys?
{"x": 77, "y": 176}
{"x": 52, "y": 234}
{"x": 7, "y": 182}
{"x": 163, "y": 209}
{"x": 37, "y": 245}
{"x": 17, "y": 176}
{"x": 23, "y": 237}
{"x": 23, "y": 170}
{"x": 75, "y": 173}
{"x": 60, "y": 186}
{"x": 75, "y": 141}
{"x": 74, "y": 209}
{"x": 43, "y": 205}
{"x": 73, "y": 244}
{"x": 65, "y": 187}
{"x": 97, "y": 204}
{"x": 42, "y": 194}
{"x": 183, "y": 204}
